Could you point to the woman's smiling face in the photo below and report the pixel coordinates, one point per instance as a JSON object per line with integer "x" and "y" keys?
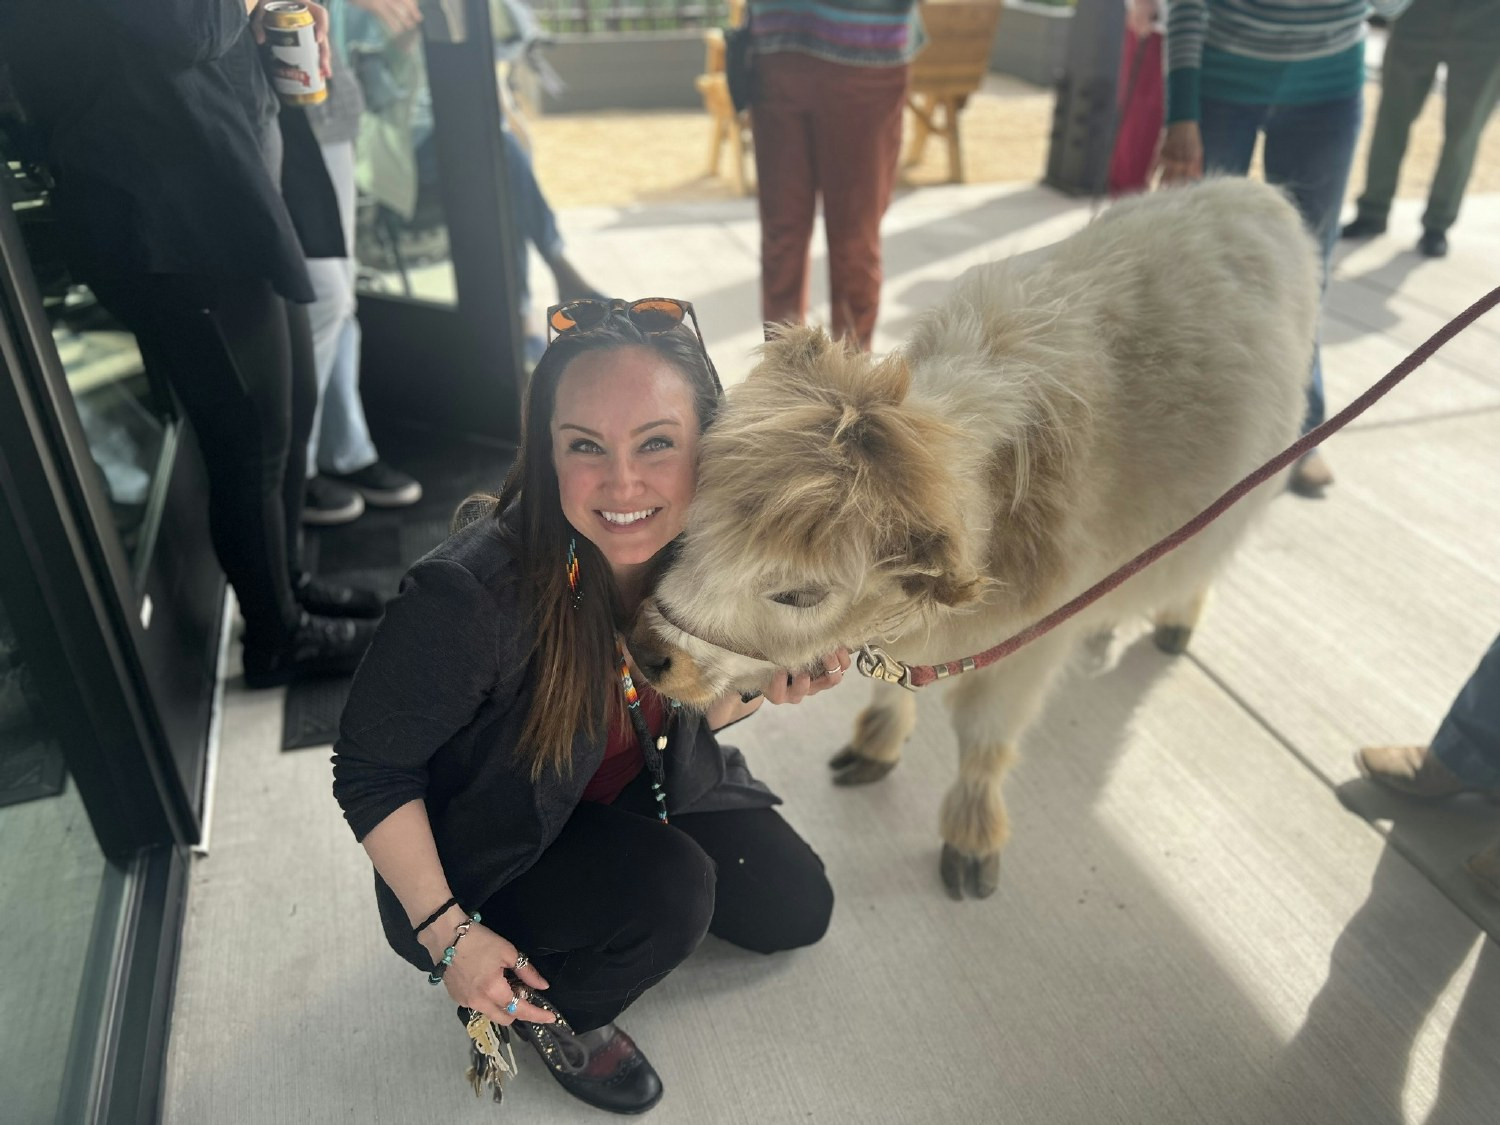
{"x": 625, "y": 447}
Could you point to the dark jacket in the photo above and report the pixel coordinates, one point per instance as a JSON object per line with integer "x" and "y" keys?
{"x": 436, "y": 712}
{"x": 150, "y": 117}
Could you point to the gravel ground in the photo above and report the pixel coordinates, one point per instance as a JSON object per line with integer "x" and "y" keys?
{"x": 621, "y": 159}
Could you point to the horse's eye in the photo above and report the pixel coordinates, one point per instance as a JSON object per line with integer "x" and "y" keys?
{"x": 799, "y": 599}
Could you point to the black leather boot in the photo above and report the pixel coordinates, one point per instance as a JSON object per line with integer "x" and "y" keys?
{"x": 602, "y": 1068}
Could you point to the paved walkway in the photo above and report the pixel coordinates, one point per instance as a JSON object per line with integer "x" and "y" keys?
{"x": 1204, "y": 916}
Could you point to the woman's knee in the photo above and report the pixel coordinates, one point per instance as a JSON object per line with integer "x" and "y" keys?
{"x": 676, "y": 894}
{"x": 799, "y": 917}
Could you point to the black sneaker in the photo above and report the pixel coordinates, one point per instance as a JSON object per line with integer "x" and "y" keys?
{"x": 381, "y": 485}
{"x": 326, "y": 503}
{"x": 319, "y": 646}
{"x": 1363, "y": 228}
{"x": 1433, "y": 244}
{"x": 330, "y": 599}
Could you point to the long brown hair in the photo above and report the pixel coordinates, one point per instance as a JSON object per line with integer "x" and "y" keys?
{"x": 573, "y": 655}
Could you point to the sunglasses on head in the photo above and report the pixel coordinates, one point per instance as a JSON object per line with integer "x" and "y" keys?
{"x": 651, "y": 316}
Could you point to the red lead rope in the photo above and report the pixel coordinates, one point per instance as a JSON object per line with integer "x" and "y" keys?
{"x": 921, "y": 675}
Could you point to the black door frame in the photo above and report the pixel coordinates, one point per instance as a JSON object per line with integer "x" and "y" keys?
{"x": 456, "y": 368}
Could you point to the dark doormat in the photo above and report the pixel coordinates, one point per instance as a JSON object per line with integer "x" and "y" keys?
{"x": 312, "y": 712}
{"x": 29, "y": 769}
{"x": 378, "y": 548}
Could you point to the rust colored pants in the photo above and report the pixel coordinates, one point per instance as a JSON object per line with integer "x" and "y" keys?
{"x": 823, "y": 128}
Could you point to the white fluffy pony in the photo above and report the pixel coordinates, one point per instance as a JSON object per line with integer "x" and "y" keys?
{"x": 1045, "y": 423}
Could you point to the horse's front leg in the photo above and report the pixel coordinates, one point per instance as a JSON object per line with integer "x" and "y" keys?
{"x": 875, "y": 746}
{"x": 991, "y": 709}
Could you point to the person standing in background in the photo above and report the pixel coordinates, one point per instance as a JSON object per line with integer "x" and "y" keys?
{"x": 1293, "y": 70}
{"x": 1464, "y": 35}
{"x": 344, "y": 470}
{"x": 160, "y": 132}
{"x": 831, "y": 80}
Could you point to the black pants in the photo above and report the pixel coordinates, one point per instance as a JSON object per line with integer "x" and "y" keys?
{"x": 240, "y": 360}
{"x": 619, "y": 900}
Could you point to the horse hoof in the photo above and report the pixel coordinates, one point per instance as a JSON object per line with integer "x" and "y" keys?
{"x": 1173, "y": 639}
{"x": 951, "y": 868}
{"x": 861, "y": 771}
{"x": 984, "y": 874}
{"x": 844, "y": 758}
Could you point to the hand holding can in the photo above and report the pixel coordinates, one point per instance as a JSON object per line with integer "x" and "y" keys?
{"x": 294, "y": 37}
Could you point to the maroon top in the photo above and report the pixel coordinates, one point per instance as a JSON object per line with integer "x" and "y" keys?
{"x": 623, "y": 758}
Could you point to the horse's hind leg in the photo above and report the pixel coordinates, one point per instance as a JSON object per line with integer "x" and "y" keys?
{"x": 1175, "y": 623}
{"x": 879, "y": 732}
{"x": 991, "y": 709}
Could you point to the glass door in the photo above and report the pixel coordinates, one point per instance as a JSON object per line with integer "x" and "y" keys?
{"x": 137, "y": 472}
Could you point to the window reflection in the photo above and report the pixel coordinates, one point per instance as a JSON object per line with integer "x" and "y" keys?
{"x": 124, "y": 418}
{"x": 52, "y": 880}
{"x": 401, "y": 234}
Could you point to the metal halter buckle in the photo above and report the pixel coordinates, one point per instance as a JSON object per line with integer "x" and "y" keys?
{"x": 880, "y": 665}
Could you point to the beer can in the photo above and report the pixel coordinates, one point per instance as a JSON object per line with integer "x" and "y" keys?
{"x": 291, "y": 53}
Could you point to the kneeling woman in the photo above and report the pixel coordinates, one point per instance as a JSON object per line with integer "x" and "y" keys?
{"x": 515, "y": 786}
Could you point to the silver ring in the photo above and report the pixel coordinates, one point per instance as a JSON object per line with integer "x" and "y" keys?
{"x": 834, "y": 671}
{"x": 521, "y": 961}
{"x": 510, "y": 1009}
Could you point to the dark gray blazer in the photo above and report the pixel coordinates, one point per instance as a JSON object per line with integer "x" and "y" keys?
{"x": 436, "y": 712}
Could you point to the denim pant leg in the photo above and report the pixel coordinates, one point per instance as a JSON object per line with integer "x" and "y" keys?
{"x": 534, "y": 220}
{"x": 1309, "y": 151}
{"x": 340, "y": 440}
{"x": 1468, "y": 742}
{"x": 1229, "y": 130}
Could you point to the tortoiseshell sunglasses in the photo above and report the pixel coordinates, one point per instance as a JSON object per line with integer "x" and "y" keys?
{"x": 652, "y": 316}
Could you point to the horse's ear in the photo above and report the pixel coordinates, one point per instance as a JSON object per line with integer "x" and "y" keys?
{"x": 933, "y": 568}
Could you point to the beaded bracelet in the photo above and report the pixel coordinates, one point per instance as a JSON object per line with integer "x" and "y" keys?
{"x": 434, "y": 916}
{"x": 436, "y": 976}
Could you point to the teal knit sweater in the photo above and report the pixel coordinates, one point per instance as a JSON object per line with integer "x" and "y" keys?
{"x": 1263, "y": 52}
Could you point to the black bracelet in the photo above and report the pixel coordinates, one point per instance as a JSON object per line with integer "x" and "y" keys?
{"x": 434, "y": 916}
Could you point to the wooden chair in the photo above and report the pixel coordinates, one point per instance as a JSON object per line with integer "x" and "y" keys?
{"x": 950, "y": 67}
{"x": 729, "y": 127}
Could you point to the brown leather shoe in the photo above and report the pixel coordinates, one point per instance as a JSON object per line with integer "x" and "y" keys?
{"x": 1484, "y": 868}
{"x": 1411, "y": 770}
{"x": 1311, "y": 475}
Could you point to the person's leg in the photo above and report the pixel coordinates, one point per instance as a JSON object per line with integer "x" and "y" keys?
{"x": 1406, "y": 75}
{"x": 772, "y": 891}
{"x": 302, "y": 393}
{"x": 1473, "y": 89}
{"x": 230, "y": 368}
{"x": 781, "y": 120}
{"x": 537, "y": 224}
{"x": 856, "y": 147}
{"x": 613, "y": 905}
{"x": 341, "y": 438}
{"x": 1309, "y": 150}
{"x": 1229, "y": 130}
{"x": 1468, "y": 741}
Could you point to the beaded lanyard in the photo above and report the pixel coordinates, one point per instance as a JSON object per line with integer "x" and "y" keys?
{"x": 651, "y": 748}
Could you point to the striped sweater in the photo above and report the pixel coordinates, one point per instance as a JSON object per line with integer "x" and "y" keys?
{"x": 1261, "y": 52}
{"x": 854, "y": 32}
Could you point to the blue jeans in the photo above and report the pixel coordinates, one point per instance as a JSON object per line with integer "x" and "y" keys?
{"x": 340, "y": 440}
{"x": 533, "y": 217}
{"x": 1308, "y": 153}
{"x": 1468, "y": 742}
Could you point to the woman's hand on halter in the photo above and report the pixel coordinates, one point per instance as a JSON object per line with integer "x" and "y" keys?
{"x": 477, "y": 977}
{"x": 793, "y": 687}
